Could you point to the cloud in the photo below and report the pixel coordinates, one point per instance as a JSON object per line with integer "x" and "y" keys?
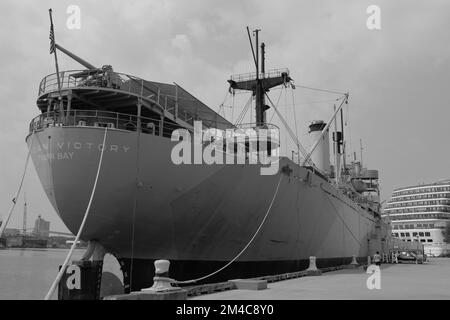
{"x": 397, "y": 77}
{"x": 182, "y": 43}
{"x": 197, "y": 30}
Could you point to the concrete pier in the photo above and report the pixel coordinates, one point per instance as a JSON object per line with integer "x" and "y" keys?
{"x": 397, "y": 281}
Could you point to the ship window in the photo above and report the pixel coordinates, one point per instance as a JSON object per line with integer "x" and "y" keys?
{"x": 407, "y": 234}
{"x": 396, "y": 234}
{"x": 402, "y": 234}
{"x": 414, "y": 234}
{"x": 429, "y": 240}
{"x": 427, "y": 234}
{"x": 422, "y": 240}
{"x": 421, "y": 234}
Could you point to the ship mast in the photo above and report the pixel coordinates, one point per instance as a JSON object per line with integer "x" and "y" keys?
{"x": 260, "y": 93}
{"x": 260, "y": 83}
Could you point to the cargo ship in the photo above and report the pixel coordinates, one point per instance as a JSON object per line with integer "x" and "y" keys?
{"x": 198, "y": 216}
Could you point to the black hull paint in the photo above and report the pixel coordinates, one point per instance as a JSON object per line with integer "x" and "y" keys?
{"x": 140, "y": 274}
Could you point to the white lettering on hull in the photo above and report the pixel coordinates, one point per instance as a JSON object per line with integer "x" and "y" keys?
{"x": 56, "y": 156}
{"x": 63, "y": 150}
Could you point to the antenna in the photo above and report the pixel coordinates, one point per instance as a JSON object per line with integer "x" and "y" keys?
{"x": 256, "y": 34}
{"x": 251, "y": 45}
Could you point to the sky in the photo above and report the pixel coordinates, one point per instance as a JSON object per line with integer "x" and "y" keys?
{"x": 397, "y": 76}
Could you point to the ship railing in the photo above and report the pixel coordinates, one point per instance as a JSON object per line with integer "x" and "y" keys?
{"x": 129, "y": 122}
{"x": 98, "y": 78}
{"x": 269, "y": 130}
{"x": 247, "y": 133}
{"x": 417, "y": 216}
{"x": 99, "y": 118}
{"x": 255, "y": 126}
{"x": 252, "y": 75}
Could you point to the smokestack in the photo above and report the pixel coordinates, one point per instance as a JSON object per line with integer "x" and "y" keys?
{"x": 321, "y": 155}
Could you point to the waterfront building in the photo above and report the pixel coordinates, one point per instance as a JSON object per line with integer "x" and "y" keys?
{"x": 41, "y": 227}
{"x": 420, "y": 213}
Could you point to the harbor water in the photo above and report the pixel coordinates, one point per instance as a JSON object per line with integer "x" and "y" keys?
{"x": 27, "y": 274}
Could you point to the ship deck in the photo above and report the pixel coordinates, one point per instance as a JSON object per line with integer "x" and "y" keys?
{"x": 96, "y": 89}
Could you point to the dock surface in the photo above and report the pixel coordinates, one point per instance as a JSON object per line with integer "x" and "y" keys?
{"x": 398, "y": 281}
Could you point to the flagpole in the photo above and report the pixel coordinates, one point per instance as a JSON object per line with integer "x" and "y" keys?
{"x": 53, "y": 50}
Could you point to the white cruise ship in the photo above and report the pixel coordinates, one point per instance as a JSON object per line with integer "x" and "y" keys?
{"x": 420, "y": 213}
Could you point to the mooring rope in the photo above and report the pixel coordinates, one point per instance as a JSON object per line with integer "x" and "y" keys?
{"x": 3, "y": 226}
{"x": 135, "y": 203}
{"x": 339, "y": 216}
{"x": 245, "y": 248}
{"x": 77, "y": 238}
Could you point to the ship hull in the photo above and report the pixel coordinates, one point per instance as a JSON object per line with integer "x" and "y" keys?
{"x": 197, "y": 216}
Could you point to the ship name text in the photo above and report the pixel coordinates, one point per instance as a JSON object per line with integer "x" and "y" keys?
{"x": 63, "y": 150}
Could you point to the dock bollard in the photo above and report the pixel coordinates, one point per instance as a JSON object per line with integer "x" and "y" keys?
{"x": 312, "y": 270}
{"x": 161, "y": 280}
{"x": 353, "y": 265}
{"x": 162, "y": 287}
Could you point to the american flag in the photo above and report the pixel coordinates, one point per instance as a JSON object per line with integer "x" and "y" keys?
{"x": 52, "y": 39}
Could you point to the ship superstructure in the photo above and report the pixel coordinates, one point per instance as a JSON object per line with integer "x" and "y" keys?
{"x": 199, "y": 217}
{"x": 420, "y": 213}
